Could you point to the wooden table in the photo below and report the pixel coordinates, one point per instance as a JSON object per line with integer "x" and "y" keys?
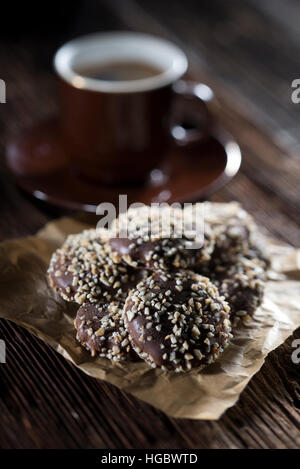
{"x": 238, "y": 48}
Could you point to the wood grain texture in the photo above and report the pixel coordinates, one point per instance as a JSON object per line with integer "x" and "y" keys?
{"x": 44, "y": 401}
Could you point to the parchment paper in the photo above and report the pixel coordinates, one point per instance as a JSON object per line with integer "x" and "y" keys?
{"x": 26, "y": 299}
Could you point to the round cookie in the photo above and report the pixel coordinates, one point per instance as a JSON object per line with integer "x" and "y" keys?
{"x": 242, "y": 284}
{"x": 100, "y": 329}
{"x": 237, "y": 265}
{"x": 231, "y": 239}
{"x": 177, "y": 321}
{"x": 236, "y": 241}
{"x": 159, "y": 238}
{"x": 235, "y": 233}
{"x": 82, "y": 270}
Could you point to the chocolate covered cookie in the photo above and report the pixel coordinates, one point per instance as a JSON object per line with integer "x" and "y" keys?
{"x": 82, "y": 270}
{"x": 235, "y": 233}
{"x": 242, "y": 283}
{"x": 177, "y": 321}
{"x": 160, "y": 238}
{"x": 237, "y": 264}
{"x": 100, "y": 329}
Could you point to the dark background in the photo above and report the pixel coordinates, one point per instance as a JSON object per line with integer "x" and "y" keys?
{"x": 251, "y": 47}
{"x": 249, "y": 51}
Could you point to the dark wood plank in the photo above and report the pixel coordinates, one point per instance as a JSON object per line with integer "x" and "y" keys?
{"x": 47, "y": 403}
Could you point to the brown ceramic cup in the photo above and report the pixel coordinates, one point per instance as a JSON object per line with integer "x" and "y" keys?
{"x": 118, "y": 131}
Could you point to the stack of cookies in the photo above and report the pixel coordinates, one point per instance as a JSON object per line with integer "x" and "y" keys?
{"x": 147, "y": 289}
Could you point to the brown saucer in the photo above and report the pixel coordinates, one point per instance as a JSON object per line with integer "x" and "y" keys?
{"x": 189, "y": 175}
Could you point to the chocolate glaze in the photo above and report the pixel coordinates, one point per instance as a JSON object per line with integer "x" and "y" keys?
{"x": 242, "y": 283}
{"x": 238, "y": 268}
{"x": 157, "y": 240}
{"x": 82, "y": 271}
{"x": 111, "y": 342}
{"x": 152, "y": 343}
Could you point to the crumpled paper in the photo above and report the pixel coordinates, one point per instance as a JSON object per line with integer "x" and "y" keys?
{"x": 26, "y": 299}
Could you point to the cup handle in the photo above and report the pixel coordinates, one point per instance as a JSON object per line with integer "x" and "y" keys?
{"x": 191, "y": 121}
